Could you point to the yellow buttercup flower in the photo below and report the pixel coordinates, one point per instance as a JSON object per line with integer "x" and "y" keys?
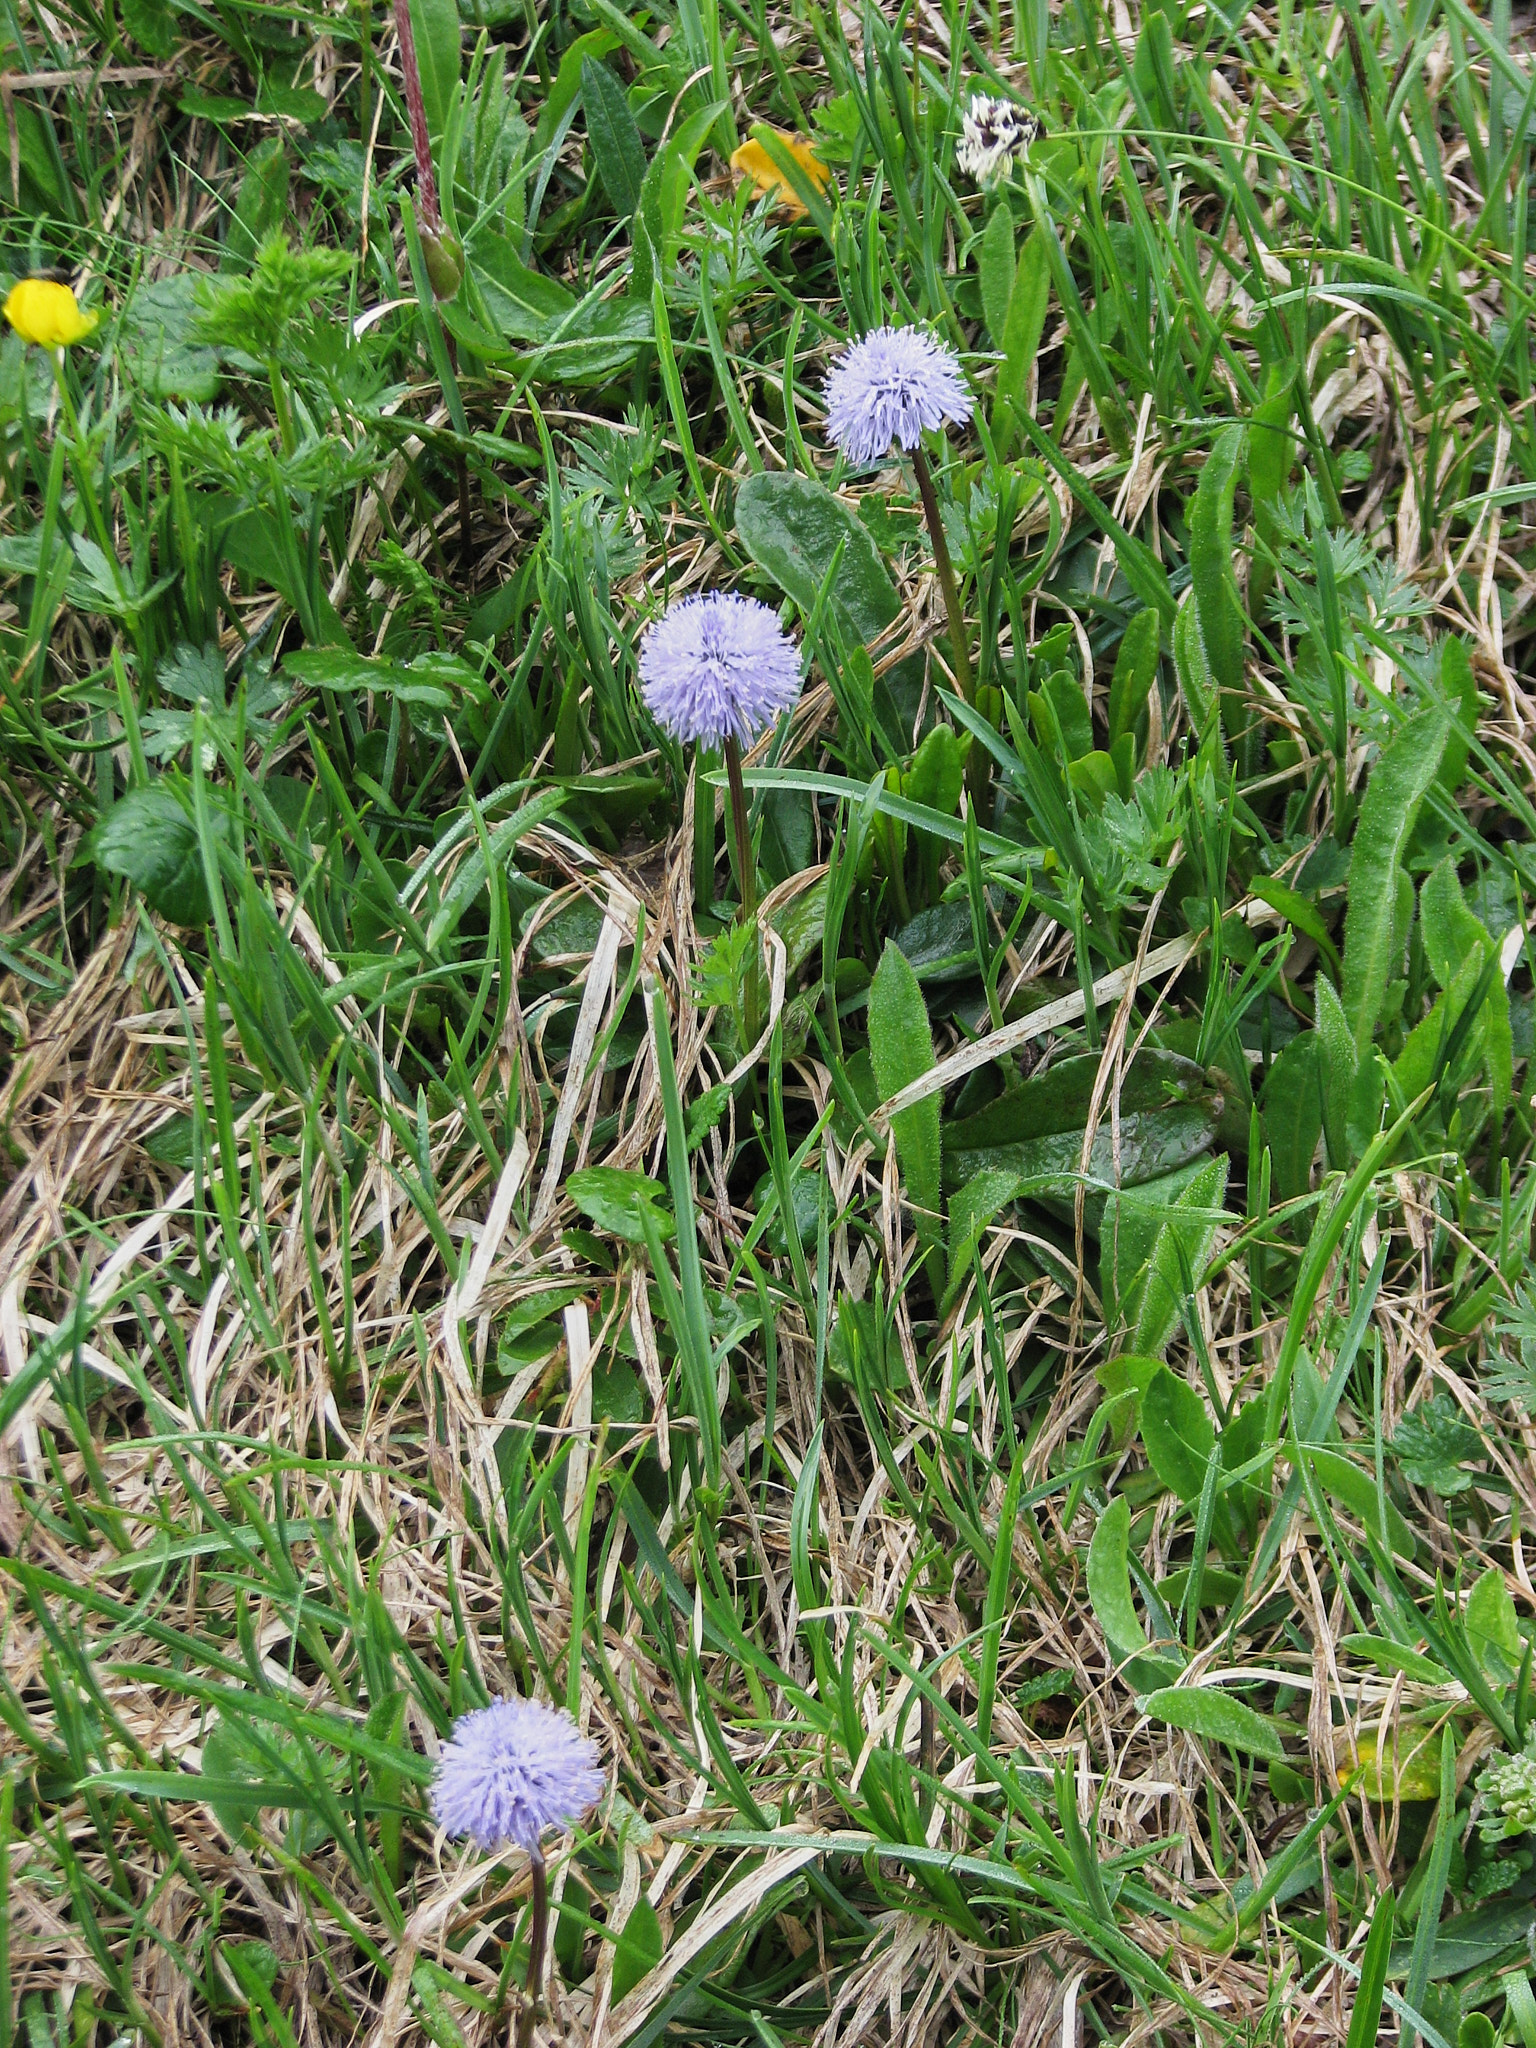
{"x": 753, "y": 161}
{"x": 47, "y": 313}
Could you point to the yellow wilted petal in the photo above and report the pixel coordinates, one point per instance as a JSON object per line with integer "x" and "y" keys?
{"x": 1408, "y": 1769}
{"x": 47, "y": 313}
{"x": 753, "y": 161}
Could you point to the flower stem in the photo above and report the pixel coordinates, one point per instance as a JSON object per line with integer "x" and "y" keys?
{"x": 746, "y": 881}
{"x": 946, "y": 574}
{"x": 364, "y": 64}
{"x": 416, "y": 107}
{"x": 538, "y": 1935}
{"x": 280, "y": 405}
{"x": 83, "y": 480}
{"x": 703, "y": 830}
{"x": 978, "y": 768}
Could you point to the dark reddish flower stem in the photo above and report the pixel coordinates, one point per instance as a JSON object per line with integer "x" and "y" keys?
{"x": 538, "y": 1935}
{"x": 416, "y": 107}
{"x": 978, "y": 772}
{"x": 946, "y": 573}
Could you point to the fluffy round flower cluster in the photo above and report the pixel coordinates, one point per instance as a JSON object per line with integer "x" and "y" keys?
{"x": 718, "y": 666}
{"x": 993, "y": 132}
{"x": 890, "y": 388}
{"x": 513, "y": 1769}
{"x": 1508, "y": 1788}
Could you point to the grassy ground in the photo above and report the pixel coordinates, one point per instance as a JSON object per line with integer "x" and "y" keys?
{"x": 1041, "y": 1563}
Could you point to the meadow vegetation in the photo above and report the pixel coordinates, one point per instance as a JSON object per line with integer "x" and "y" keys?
{"x": 999, "y": 1387}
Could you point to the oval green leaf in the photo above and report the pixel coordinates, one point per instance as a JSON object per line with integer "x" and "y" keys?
{"x": 1202, "y": 1710}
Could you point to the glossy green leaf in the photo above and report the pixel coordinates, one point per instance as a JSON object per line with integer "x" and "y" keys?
{"x": 792, "y": 526}
{"x": 1493, "y": 1627}
{"x": 1178, "y": 1434}
{"x": 1422, "y": 1957}
{"x": 149, "y": 840}
{"x": 1301, "y": 912}
{"x": 1470, "y": 1941}
{"x": 971, "y": 1208}
{"x": 613, "y": 1197}
{"x": 1389, "y": 1657}
{"x": 1059, "y": 713}
{"x": 433, "y": 682}
{"x": 1168, "y": 1112}
{"x": 937, "y": 774}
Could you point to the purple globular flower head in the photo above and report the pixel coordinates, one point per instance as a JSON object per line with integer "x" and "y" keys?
{"x": 718, "y": 666}
{"x": 513, "y": 1769}
{"x": 889, "y": 388}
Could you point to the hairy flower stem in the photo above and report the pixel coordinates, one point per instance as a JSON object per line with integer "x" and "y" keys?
{"x": 416, "y": 107}
{"x": 978, "y": 768}
{"x": 746, "y": 879}
{"x": 538, "y": 1935}
{"x": 946, "y": 574}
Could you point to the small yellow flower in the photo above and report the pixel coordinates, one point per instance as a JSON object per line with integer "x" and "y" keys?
{"x": 47, "y": 313}
{"x": 753, "y": 161}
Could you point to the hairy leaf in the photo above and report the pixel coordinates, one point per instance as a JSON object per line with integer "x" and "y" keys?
{"x": 901, "y": 1046}
{"x": 616, "y": 146}
{"x": 1388, "y": 814}
{"x": 1204, "y": 1710}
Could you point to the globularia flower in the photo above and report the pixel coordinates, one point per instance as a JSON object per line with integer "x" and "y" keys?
{"x": 992, "y": 133}
{"x": 718, "y": 666}
{"x": 512, "y": 1770}
{"x": 889, "y": 388}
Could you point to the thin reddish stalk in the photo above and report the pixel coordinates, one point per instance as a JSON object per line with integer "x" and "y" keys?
{"x": 416, "y": 107}
{"x": 538, "y": 1936}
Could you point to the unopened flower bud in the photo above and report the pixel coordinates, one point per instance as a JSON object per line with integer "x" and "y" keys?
{"x": 444, "y": 254}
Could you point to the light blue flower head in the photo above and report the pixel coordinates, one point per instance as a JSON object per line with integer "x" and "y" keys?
{"x": 891, "y": 387}
{"x": 513, "y": 1769}
{"x": 718, "y": 666}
